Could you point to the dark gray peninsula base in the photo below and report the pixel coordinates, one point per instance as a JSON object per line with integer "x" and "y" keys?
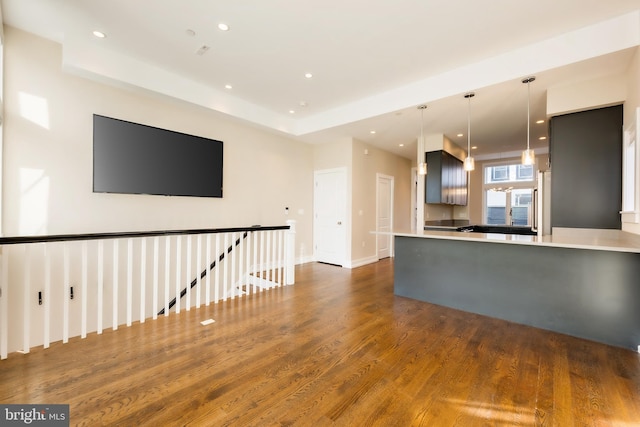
{"x": 592, "y": 294}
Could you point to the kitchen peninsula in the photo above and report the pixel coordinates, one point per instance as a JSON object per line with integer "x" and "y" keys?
{"x": 579, "y": 282}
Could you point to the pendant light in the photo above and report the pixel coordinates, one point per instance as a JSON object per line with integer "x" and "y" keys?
{"x": 469, "y": 163}
{"x": 528, "y": 156}
{"x": 422, "y": 165}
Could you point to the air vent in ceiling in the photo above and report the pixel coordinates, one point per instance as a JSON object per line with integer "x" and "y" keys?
{"x": 202, "y": 49}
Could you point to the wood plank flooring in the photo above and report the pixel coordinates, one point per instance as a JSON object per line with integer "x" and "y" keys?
{"x": 337, "y": 348}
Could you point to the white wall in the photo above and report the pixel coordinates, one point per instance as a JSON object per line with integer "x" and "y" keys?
{"x": 48, "y": 157}
{"x": 587, "y": 95}
{"x": 361, "y": 191}
{"x": 367, "y": 162}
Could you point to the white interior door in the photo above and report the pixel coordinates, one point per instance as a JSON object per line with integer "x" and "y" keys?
{"x": 329, "y": 225}
{"x": 384, "y": 214}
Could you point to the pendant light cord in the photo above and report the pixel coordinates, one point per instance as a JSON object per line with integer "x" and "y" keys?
{"x": 528, "y": 110}
{"x": 422, "y": 165}
{"x": 469, "y": 162}
{"x": 469, "y": 127}
{"x": 422, "y": 125}
{"x": 528, "y": 81}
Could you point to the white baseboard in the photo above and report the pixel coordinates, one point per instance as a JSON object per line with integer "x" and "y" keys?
{"x": 304, "y": 260}
{"x": 349, "y": 264}
{"x": 362, "y": 261}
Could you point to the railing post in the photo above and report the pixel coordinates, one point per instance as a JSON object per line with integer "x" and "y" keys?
{"x": 47, "y": 296}
{"x": 290, "y": 249}
{"x": 4, "y": 306}
{"x": 26, "y": 299}
{"x": 100, "y": 296}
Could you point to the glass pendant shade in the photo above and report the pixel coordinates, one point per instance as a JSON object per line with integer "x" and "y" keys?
{"x": 528, "y": 157}
{"x": 469, "y": 164}
{"x": 422, "y": 169}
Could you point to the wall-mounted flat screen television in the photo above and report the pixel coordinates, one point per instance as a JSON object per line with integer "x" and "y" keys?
{"x": 131, "y": 158}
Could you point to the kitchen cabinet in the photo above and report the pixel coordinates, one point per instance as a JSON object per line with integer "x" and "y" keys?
{"x": 446, "y": 179}
{"x": 586, "y": 160}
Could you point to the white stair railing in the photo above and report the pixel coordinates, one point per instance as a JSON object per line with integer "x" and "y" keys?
{"x": 54, "y": 288}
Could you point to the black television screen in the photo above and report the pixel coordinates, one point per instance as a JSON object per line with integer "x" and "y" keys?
{"x": 137, "y": 159}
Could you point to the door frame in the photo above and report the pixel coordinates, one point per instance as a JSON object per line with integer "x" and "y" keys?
{"x": 391, "y": 180}
{"x": 346, "y": 221}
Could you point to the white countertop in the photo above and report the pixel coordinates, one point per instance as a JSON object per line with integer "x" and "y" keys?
{"x": 607, "y": 240}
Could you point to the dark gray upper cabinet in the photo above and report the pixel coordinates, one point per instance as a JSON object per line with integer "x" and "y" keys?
{"x": 446, "y": 180}
{"x": 586, "y": 165}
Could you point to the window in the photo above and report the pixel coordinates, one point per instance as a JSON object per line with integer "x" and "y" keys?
{"x": 522, "y": 199}
{"x": 508, "y": 192}
{"x": 508, "y": 173}
{"x": 524, "y": 172}
{"x": 499, "y": 173}
{"x": 496, "y": 208}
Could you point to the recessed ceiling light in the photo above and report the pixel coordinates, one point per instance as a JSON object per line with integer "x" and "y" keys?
{"x": 542, "y": 138}
{"x": 540, "y": 121}
{"x": 228, "y": 87}
{"x": 460, "y": 135}
{"x": 400, "y": 145}
{"x": 223, "y": 27}
{"x": 99, "y": 34}
{"x": 292, "y": 112}
{"x": 474, "y": 147}
{"x": 372, "y": 132}
{"x": 308, "y": 75}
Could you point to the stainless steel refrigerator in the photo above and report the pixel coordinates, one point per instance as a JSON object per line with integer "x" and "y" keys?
{"x": 541, "y": 222}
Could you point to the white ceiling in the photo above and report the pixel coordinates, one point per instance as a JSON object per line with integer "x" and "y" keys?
{"x": 373, "y": 61}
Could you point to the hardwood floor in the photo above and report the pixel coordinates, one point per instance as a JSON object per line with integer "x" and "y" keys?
{"x": 337, "y": 348}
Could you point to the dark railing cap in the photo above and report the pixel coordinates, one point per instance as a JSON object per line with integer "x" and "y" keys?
{"x": 131, "y": 234}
